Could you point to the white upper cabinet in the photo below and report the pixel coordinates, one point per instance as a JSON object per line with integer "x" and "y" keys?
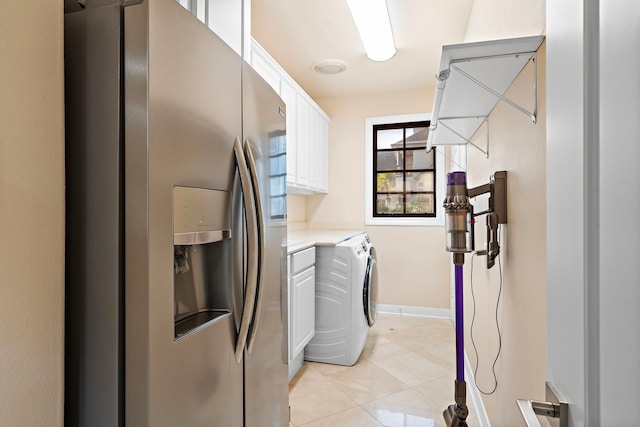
{"x": 317, "y": 141}
{"x": 223, "y": 17}
{"x": 307, "y": 128}
{"x": 288, "y": 94}
{"x": 302, "y": 142}
{"x": 263, "y": 64}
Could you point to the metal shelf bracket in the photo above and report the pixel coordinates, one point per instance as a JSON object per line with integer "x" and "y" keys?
{"x": 532, "y": 115}
{"x": 486, "y": 121}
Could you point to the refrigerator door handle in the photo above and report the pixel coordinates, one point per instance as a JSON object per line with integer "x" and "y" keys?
{"x": 253, "y": 172}
{"x": 252, "y": 236}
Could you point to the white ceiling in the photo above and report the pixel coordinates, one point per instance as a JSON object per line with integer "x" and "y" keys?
{"x": 301, "y": 33}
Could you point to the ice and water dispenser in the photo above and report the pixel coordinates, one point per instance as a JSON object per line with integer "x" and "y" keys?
{"x": 202, "y": 258}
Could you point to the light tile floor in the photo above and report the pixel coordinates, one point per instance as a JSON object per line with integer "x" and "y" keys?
{"x": 403, "y": 378}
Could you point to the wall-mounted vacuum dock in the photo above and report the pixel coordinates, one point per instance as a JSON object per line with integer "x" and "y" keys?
{"x": 496, "y": 213}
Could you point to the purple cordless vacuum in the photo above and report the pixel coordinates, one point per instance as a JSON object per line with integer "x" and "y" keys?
{"x": 458, "y": 215}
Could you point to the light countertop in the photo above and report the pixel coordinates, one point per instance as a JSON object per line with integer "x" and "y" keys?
{"x": 303, "y": 239}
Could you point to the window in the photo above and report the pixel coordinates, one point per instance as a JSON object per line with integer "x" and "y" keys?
{"x": 404, "y": 173}
{"x": 404, "y": 182}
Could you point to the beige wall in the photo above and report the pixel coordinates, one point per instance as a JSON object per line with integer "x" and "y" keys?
{"x": 517, "y": 146}
{"x": 32, "y": 213}
{"x": 497, "y": 19}
{"x": 412, "y": 265}
{"x": 296, "y": 212}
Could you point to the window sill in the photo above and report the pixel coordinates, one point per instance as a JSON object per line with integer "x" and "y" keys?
{"x": 416, "y": 222}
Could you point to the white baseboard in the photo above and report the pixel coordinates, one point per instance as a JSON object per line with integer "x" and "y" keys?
{"x": 295, "y": 365}
{"x": 410, "y": 310}
{"x": 474, "y": 394}
{"x": 472, "y": 390}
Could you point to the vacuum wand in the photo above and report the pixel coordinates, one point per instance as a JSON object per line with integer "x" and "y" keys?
{"x": 458, "y": 226}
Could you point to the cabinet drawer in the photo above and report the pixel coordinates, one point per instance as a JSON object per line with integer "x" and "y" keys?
{"x": 302, "y": 260}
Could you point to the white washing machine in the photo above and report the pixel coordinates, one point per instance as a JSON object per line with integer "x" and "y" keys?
{"x": 346, "y": 295}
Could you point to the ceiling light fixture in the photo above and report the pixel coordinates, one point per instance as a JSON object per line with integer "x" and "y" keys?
{"x": 372, "y": 20}
{"x": 330, "y": 66}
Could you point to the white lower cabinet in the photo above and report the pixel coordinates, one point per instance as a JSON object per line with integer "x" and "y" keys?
{"x": 303, "y": 328}
{"x": 302, "y": 305}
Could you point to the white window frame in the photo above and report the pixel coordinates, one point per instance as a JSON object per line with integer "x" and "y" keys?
{"x": 369, "y": 219}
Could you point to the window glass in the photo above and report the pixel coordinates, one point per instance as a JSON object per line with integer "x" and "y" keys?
{"x": 389, "y": 160}
{"x": 390, "y": 204}
{"x": 419, "y": 159}
{"x": 389, "y": 182}
{"x": 419, "y": 181}
{"x": 419, "y": 204}
{"x": 389, "y": 138}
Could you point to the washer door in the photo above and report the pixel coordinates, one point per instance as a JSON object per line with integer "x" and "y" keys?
{"x": 370, "y": 292}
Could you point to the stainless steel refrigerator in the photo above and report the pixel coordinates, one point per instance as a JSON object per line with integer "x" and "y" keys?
{"x": 176, "y": 224}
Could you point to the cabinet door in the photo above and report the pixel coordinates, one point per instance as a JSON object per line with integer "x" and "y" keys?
{"x": 289, "y": 95}
{"x": 225, "y": 19}
{"x": 266, "y": 70}
{"x": 318, "y": 142}
{"x": 302, "y": 141}
{"x": 323, "y": 155}
{"x": 302, "y": 310}
{"x": 314, "y": 167}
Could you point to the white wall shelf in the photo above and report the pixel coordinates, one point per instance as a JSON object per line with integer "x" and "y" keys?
{"x": 472, "y": 79}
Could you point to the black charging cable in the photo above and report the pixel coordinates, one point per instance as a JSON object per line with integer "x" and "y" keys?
{"x": 473, "y": 318}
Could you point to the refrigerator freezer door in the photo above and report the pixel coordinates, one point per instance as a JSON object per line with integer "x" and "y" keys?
{"x": 266, "y": 373}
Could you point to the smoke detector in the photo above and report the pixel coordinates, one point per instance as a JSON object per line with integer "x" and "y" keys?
{"x": 330, "y": 66}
